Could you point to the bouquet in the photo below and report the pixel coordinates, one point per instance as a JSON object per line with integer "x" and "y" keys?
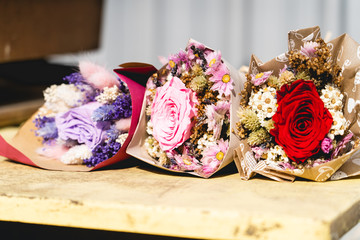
{"x": 84, "y": 124}
{"x": 185, "y": 123}
{"x": 293, "y": 118}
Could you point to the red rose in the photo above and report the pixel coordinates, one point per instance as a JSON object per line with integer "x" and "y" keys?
{"x": 301, "y": 120}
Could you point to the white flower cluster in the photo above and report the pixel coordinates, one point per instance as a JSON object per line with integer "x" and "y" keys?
{"x": 122, "y": 138}
{"x": 76, "y": 154}
{"x": 333, "y": 100}
{"x": 108, "y": 95}
{"x": 149, "y": 128}
{"x": 153, "y": 148}
{"x": 60, "y": 98}
{"x": 264, "y": 103}
{"x": 339, "y": 124}
{"x": 206, "y": 141}
{"x": 276, "y": 153}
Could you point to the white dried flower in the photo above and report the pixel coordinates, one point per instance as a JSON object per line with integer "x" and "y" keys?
{"x": 108, "y": 95}
{"x": 264, "y": 103}
{"x": 76, "y": 154}
{"x": 122, "y": 138}
{"x": 206, "y": 141}
{"x": 339, "y": 125}
{"x": 153, "y": 148}
{"x": 60, "y": 98}
{"x": 276, "y": 153}
{"x": 332, "y": 97}
{"x": 149, "y": 128}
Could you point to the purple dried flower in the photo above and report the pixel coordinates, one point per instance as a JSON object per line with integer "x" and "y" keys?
{"x": 112, "y": 133}
{"x": 103, "y": 151}
{"x": 46, "y": 128}
{"x": 120, "y": 108}
{"x": 75, "y": 78}
{"x": 103, "y": 113}
{"x": 122, "y": 87}
{"x": 80, "y": 82}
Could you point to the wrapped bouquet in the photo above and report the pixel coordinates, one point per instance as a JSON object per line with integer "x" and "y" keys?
{"x": 297, "y": 115}
{"x": 84, "y": 124}
{"x": 185, "y": 123}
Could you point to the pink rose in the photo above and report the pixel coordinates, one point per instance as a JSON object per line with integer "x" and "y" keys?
{"x": 171, "y": 114}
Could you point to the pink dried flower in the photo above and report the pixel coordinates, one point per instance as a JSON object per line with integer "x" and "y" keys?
{"x": 341, "y": 145}
{"x": 222, "y": 81}
{"x": 213, "y": 61}
{"x": 213, "y": 156}
{"x": 163, "y": 60}
{"x": 173, "y": 61}
{"x": 186, "y": 162}
{"x": 286, "y": 165}
{"x": 97, "y": 76}
{"x": 309, "y": 49}
{"x": 260, "y": 78}
{"x": 179, "y": 60}
{"x": 54, "y": 151}
{"x": 210, "y": 168}
{"x": 185, "y": 60}
{"x": 123, "y": 125}
{"x": 326, "y": 145}
{"x": 283, "y": 69}
{"x": 190, "y": 53}
{"x": 215, "y": 116}
{"x": 259, "y": 151}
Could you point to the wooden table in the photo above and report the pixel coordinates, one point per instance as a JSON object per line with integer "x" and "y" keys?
{"x": 135, "y": 197}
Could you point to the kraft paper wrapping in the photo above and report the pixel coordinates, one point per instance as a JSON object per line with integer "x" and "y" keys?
{"x": 137, "y": 148}
{"x": 22, "y": 148}
{"x": 346, "y": 53}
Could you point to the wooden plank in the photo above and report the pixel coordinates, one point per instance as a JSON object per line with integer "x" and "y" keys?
{"x": 37, "y": 28}
{"x": 17, "y": 113}
{"x": 135, "y": 197}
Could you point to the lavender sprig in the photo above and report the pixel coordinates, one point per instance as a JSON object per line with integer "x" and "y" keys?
{"x": 103, "y": 151}
{"x": 120, "y": 108}
{"x": 46, "y": 128}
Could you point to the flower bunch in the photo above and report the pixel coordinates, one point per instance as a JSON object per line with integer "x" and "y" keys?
{"x": 86, "y": 119}
{"x": 292, "y": 118}
{"x": 188, "y": 111}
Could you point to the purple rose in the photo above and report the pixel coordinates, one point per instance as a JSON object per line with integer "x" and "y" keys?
{"x": 76, "y": 124}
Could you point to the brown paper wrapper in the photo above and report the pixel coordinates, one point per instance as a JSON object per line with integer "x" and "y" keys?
{"x": 346, "y": 53}
{"x": 137, "y": 148}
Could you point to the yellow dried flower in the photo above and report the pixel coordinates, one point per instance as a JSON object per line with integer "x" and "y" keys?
{"x": 197, "y": 70}
{"x": 286, "y": 77}
{"x": 163, "y": 159}
{"x": 303, "y": 75}
{"x": 268, "y": 125}
{"x": 274, "y": 82}
{"x": 248, "y": 119}
{"x": 258, "y": 137}
{"x": 198, "y": 83}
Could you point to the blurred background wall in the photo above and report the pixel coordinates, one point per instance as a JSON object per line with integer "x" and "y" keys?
{"x": 142, "y": 30}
